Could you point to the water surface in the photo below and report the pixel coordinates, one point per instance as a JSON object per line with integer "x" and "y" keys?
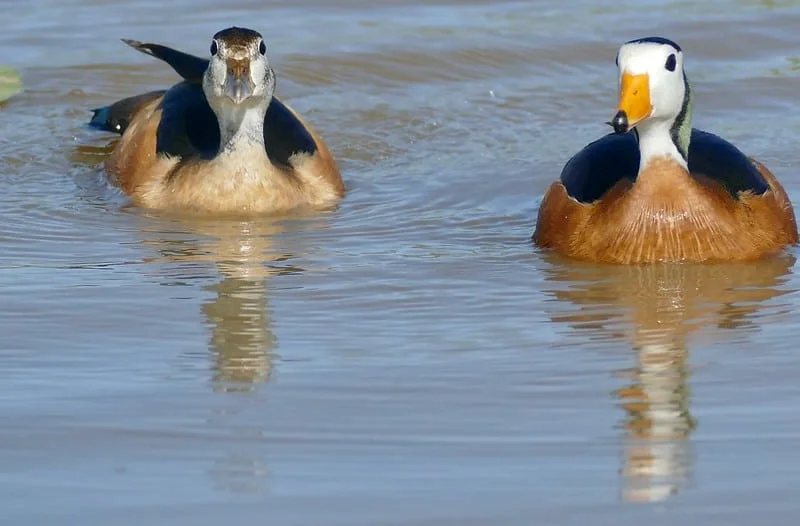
{"x": 408, "y": 358}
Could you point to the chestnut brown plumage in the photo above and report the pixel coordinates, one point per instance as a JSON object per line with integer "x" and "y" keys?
{"x": 219, "y": 141}
{"x": 669, "y": 192}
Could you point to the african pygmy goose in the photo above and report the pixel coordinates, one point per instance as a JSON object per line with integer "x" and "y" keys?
{"x": 219, "y": 141}
{"x": 666, "y": 191}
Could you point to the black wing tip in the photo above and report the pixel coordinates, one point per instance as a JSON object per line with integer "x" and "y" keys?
{"x": 99, "y": 118}
{"x": 103, "y": 120}
{"x": 144, "y": 47}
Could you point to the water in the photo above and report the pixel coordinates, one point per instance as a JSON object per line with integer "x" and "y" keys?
{"x": 408, "y": 358}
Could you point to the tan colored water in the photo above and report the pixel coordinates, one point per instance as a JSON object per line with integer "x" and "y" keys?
{"x": 410, "y": 358}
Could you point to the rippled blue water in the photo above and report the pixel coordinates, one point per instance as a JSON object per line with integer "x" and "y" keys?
{"x": 408, "y": 358}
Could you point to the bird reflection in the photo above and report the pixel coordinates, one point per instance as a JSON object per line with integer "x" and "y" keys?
{"x": 233, "y": 261}
{"x": 240, "y": 258}
{"x": 660, "y": 310}
{"x": 657, "y": 456}
{"x": 241, "y": 341}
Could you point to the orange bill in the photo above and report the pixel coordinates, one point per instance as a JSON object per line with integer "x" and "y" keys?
{"x": 634, "y": 98}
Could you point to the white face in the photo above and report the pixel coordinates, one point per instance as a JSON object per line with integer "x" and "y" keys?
{"x": 652, "y": 86}
{"x": 238, "y": 74}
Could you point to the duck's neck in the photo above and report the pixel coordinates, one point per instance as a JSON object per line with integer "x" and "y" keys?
{"x": 660, "y": 139}
{"x": 242, "y": 128}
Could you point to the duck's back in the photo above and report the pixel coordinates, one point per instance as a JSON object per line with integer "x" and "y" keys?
{"x": 729, "y": 208}
{"x": 594, "y": 170}
{"x": 162, "y": 133}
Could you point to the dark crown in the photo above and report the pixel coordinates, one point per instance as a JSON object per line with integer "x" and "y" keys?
{"x": 237, "y": 36}
{"x": 655, "y": 40}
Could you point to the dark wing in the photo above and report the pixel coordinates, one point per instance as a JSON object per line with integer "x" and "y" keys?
{"x": 594, "y": 170}
{"x": 721, "y": 161}
{"x": 285, "y": 135}
{"x": 116, "y": 117}
{"x": 188, "y": 128}
{"x": 190, "y": 67}
{"x": 187, "y": 119}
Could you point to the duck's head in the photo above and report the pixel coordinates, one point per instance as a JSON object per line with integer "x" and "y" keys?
{"x": 652, "y": 85}
{"x": 238, "y": 73}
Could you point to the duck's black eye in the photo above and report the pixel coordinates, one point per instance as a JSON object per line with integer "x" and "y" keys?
{"x": 262, "y": 48}
{"x": 670, "y": 65}
{"x": 213, "y": 47}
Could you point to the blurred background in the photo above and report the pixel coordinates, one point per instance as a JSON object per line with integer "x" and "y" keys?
{"x": 408, "y": 358}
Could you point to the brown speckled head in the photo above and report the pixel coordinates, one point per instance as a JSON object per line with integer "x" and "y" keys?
{"x": 238, "y": 70}
{"x": 238, "y": 36}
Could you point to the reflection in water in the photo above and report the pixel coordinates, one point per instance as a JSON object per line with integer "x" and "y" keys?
{"x": 241, "y": 341}
{"x": 657, "y": 456}
{"x": 657, "y": 309}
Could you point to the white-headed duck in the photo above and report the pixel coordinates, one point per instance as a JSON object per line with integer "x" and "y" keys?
{"x": 666, "y": 192}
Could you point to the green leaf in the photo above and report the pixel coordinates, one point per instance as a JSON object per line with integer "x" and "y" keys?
{"x": 10, "y": 83}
